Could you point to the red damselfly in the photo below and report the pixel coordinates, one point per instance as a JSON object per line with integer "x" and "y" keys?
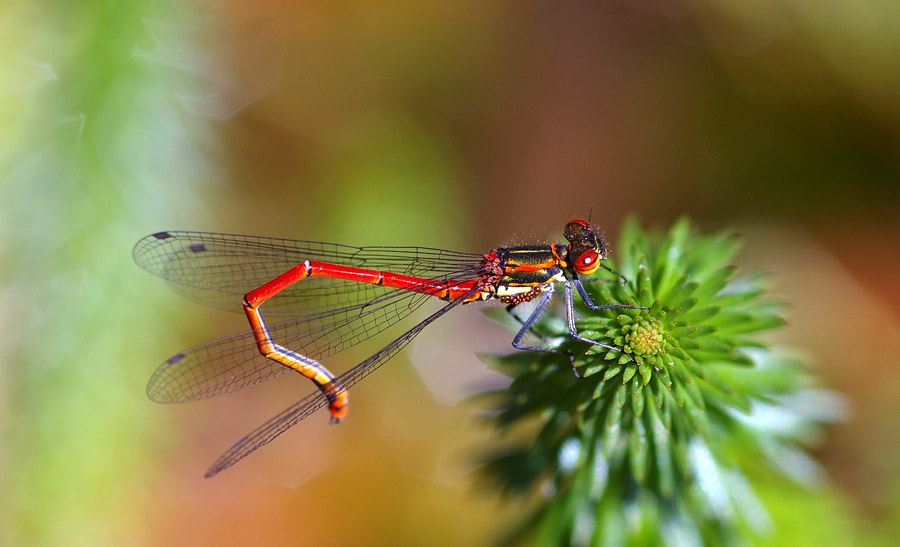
{"x": 336, "y": 296}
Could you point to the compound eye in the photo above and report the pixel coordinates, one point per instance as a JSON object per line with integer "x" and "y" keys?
{"x": 577, "y": 222}
{"x": 587, "y": 262}
{"x": 576, "y": 231}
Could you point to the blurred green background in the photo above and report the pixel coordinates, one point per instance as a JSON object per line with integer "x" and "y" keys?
{"x": 463, "y": 125}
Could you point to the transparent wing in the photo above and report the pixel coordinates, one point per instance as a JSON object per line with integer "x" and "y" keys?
{"x": 333, "y": 315}
{"x": 300, "y": 410}
{"x": 232, "y": 363}
{"x": 219, "y": 269}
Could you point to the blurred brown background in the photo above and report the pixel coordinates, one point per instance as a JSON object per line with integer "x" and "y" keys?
{"x": 464, "y": 125}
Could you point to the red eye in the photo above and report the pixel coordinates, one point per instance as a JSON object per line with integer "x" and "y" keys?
{"x": 587, "y": 262}
{"x": 580, "y": 222}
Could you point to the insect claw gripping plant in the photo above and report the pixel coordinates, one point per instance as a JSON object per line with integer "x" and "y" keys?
{"x": 652, "y": 444}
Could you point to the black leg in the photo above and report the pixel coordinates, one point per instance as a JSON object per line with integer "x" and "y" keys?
{"x": 590, "y": 303}
{"x": 570, "y": 316}
{"x": 621, "y": 277}
{"x": 510, "y": 309}
{"x": 528, "y": 323}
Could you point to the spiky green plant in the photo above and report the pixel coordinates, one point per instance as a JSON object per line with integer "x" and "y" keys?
{"x": 654, "y": 445}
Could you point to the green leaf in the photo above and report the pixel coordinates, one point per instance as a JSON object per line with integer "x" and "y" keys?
{"x": 629, "y": 372}
{"x": 660, "y": 437}
{"x": 637, "y": 397}
{"x": 621, "y": 395}
{"x": 646, "y": 371}
{"x": 644, "y": 283}
{"x": 699, "y": 314}
{"x": 683, "y": 290}
{"x": 670, "y": 252}
{"x": 714, "y": 283}
{"x": 612, "y": 371}
{"x": 637, "y": 451}
{"x": 713, "y": 252}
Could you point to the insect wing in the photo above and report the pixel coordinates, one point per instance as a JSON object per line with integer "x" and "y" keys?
{"x": 232, "y": 363}
{"x": 219, "y": 269}
{"x": 330, "y": 315}
{"x": 297, "y": 412}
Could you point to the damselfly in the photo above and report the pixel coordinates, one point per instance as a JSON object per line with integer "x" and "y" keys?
{"x": 336, "y": 296}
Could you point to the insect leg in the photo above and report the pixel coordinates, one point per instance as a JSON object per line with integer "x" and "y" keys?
{"x": 570, "y": 316}
{"x": 510, "y": 309}
{"x": 590, "y": 303}
{"x": 529, "y": 322}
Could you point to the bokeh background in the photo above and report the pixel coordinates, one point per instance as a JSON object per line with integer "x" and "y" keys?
{"x": 459, "y": 124}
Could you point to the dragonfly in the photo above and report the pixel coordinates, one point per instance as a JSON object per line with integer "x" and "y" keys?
{"x": 327, "y": 297}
